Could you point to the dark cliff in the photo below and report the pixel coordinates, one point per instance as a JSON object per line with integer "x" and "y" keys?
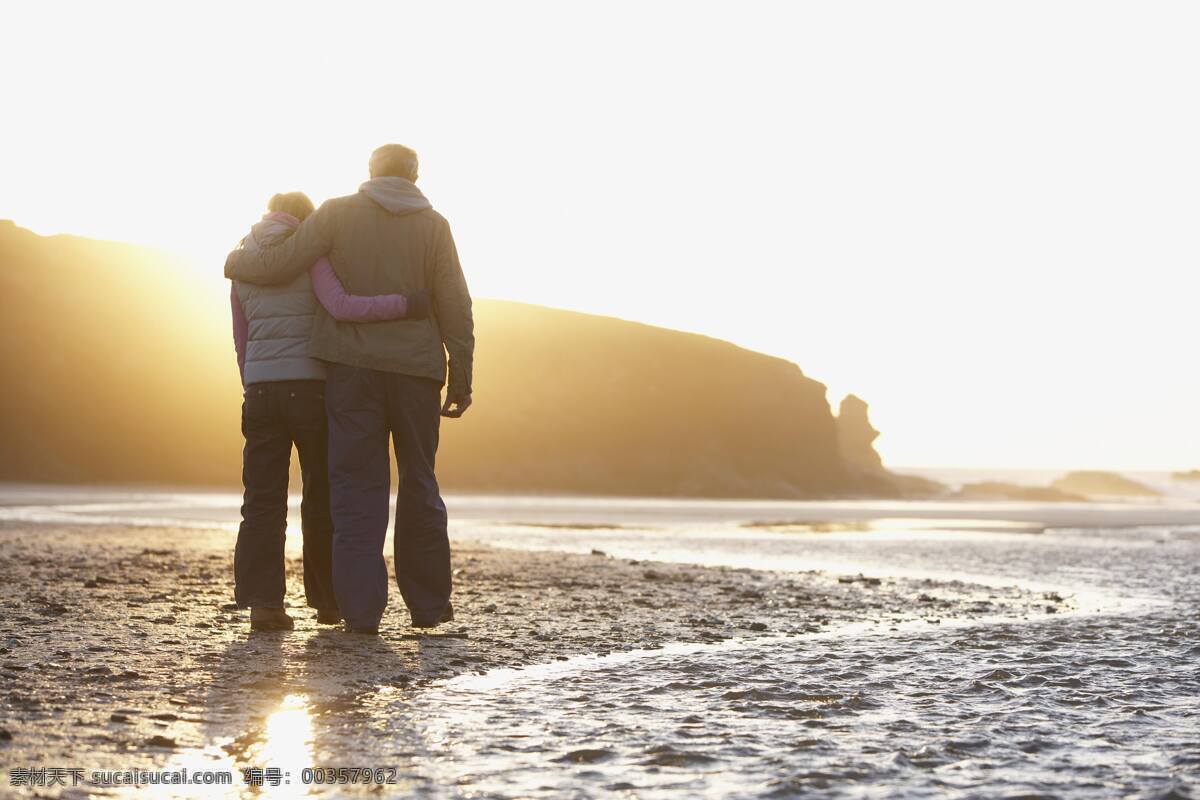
{"x": 119, "y": 367}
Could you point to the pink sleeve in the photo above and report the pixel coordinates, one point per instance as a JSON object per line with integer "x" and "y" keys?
{"x": 352, "y": 307}
{"x": 241, "y": 330}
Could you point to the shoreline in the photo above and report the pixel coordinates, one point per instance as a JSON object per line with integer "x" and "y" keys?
{"x": 72, "y": 504}
{"x": 111, "y": 636}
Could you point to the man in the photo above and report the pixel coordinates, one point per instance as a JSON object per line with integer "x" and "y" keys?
{"x": 384, "y": 378}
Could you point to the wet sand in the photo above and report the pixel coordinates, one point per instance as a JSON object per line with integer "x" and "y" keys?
{"x": 120, "y": 646}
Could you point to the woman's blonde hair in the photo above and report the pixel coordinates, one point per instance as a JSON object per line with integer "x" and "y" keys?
{"x": 295, "y": 203}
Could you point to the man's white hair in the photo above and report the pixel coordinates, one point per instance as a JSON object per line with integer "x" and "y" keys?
{"x": 394, "y": 160}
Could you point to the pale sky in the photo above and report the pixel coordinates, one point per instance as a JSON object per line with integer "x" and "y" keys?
{"x": 980, "y": 217}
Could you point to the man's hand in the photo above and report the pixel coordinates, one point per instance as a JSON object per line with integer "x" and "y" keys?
{"x": 456, "y": 404}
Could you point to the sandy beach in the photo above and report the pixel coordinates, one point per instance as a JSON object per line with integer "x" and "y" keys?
{"x": 121, "y": 645}
{"x": 120, "y": 649}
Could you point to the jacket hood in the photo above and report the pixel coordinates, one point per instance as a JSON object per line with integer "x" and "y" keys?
{"x": 397, "y": 195}
{"x": 271, "y": 229}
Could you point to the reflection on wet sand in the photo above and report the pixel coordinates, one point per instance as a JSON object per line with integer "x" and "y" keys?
{"x": 287, "y": 739}
{"x": 287, "y": 715}
{"x": 282, "y": 741}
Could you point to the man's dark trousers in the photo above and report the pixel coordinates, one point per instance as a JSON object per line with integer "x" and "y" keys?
{"x": 364, "y": 406}
{"x": 275, "y": 416}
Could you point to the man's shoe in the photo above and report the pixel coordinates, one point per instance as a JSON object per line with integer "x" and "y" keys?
{"x": 447, "y": 616}
{"x": 328, "y": 616}
{"x": 270, "y": 619}
{"x": 362, "y": 631}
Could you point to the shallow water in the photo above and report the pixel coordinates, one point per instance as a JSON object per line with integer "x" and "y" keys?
{"x": 1103, "y": 701}
{"x": 1088, "y": 704}
{"x": 1065, "y": 709}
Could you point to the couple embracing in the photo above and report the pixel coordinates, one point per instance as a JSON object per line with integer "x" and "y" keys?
{"x": 343, "y": 321}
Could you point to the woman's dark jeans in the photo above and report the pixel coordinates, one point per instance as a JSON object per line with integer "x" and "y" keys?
{"x": 276, "y": 415}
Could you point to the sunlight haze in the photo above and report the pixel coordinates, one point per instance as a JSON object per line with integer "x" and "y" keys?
{"x": 979, "y": 217}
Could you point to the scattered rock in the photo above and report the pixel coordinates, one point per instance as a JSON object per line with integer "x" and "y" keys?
{"x": 999, "y": 490}
{"x": 586, "y": 756}
{"x": 1094, "y": 483}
